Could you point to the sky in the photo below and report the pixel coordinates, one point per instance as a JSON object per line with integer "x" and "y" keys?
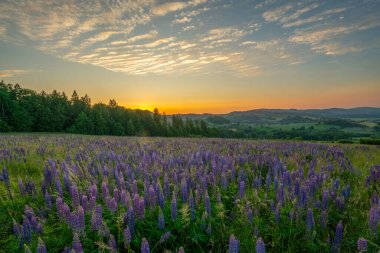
{"x": 196, "y": 56}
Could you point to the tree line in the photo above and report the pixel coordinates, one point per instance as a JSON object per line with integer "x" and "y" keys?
{"x": 25, "y": 110}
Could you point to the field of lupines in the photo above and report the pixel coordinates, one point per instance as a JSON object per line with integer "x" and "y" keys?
{"x": 108, "y": 194}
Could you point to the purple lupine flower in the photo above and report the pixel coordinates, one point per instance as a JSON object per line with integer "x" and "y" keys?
{"x": 339, "y": 202}
{"x": 41, "y": 248}
{"x": 84, "y": 202}
{"x": 105, "y": 191}
{"x": 181, "y": 250}
{"x": 26, "y": 235}
{"x": 233, "y": 245}
{"x": 20, "y": 186}
{"x": 164, "y": 237}
{"x": 145, "y": 246}
{"x": 116, "y": 194}
{"x": 77, "y": 245}
{"x": 127, "y": 236}
{"x": 81, "y": 221}
{"x": 338, "y": 234}
{"x": 174, "y": 207}
{"x": 134, "y": 187}
{"x": 16, "y": 229}
{"x": 123, "y": 196}
{"x": 260, "y": 245}
{"x": 49, "y": 205}
{"x": 309, "y": 220}
{"x": 241, "y": 189}
{"x": 74, "y": 196}
{"x": 207, "y": 204}
{"x": 92, "y": 202}
{"x": 152, "y": 197}
{"x": 59, "y": 204}
{"x": 112, "y": 244}
{"x": 5, "y": 176}
{"x": 130, "y": 218}
{"x": 303, "y": 197}
{"x": 362, "y": 245}
{"x": 277, "y": 214}
{"x": 325, "y": 199}
{"x": 161, "y": 219}
{"x": 373, "y": 219}
{"x": 112, "y": 205}
{"x": 66, "y": 212}
{"x": 58, "y": 187}
{"x": 94, "y": 190}
{"x": 97, "y": 219}
{"x": 73, "y": 221}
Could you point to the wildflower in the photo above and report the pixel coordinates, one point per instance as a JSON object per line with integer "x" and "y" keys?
{"x": 161, "y": 219}
{"x": 81, "y": 221}
{"x": 41, "y": 248}
{"x": 127, "y": 237}
{"x": 234, "y": 245}
{"x": 338, "y": 234}
{"x": 112, "y": 244}
{"x": 260, "y": 246}
{"x": 164, "y": 237}
{"x": 145, "y": 246}
{"x": 362, "y": 245}
{"x": 77, "y": 245}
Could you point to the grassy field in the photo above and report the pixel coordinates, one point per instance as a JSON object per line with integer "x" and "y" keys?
{"x": 105, "y": 194}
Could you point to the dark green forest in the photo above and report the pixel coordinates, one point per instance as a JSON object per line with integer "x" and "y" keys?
{"x": 25, "y": 110}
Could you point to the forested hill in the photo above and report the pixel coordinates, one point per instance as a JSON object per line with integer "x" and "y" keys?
{"x": 26, "y": 110}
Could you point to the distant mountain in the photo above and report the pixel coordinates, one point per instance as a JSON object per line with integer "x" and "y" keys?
{"x": 287, "y": 116}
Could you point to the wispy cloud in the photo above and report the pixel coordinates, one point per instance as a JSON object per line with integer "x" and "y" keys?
{"x": 276, "y": 14}
{"x": 194, "y": 36}
{"x": 165, "y": 8}
{"x": 11, "y": 72}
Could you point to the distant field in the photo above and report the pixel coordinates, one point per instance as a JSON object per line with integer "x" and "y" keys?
{"x": 105, "y": 194}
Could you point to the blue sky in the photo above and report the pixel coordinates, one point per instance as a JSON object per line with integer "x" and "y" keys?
{"x": 197, "y": 55}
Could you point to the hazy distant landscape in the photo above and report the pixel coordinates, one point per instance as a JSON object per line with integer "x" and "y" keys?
{"x": 178, "y": 126}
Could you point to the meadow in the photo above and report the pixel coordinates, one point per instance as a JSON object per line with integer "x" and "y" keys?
{"x": 73, "y": 193}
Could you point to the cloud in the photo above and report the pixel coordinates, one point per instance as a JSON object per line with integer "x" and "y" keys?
{"x": 325, "y": 39}
{"x": 188, "y": 27}
{"x": 316, "y": 18}
{"x": 224, "y": 33}
{"x": 165, "y": 8}
{"x": 276, "y": 14}
{"x": 335, "y": 49}
{"x": 182, "y": 20}
{"x": 298, "y": 13}
{"x": 11, "y": 72}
